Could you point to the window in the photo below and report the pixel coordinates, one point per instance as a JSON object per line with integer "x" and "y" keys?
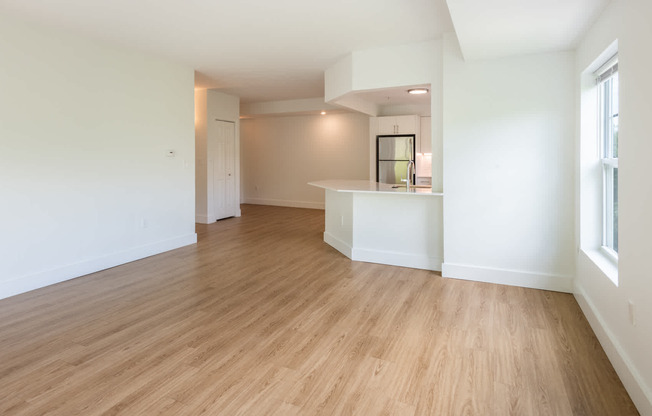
{"x": 607, "y": 80}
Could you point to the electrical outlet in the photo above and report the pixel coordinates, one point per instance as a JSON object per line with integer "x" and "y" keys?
{"x": 632, "y": 312}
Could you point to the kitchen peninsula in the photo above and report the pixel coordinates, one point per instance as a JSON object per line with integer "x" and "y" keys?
{"x": 381, "y": 223}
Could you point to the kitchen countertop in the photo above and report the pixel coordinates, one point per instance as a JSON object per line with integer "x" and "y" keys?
{"x": 349, "y": 185}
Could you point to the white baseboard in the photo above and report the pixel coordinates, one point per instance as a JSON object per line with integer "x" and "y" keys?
{"x": 390, "y": 258}
{"x": 205, "y": 219}
{"x": 414, "y": 261}
{"x": 285, "y": 203}
{"x": 640, "y": 393}
{"x": 202, "y": 219}
{"x": 71, "y": 271}
{"x": 338, "y": 244}
{"x": 557, "y": 283}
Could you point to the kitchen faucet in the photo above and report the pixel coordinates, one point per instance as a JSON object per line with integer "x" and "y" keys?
{"x": 409, "y": 172}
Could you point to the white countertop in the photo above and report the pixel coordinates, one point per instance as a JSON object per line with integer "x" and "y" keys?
{"x": 348, "y": 185}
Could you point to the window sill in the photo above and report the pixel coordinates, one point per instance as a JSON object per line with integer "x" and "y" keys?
{"x": 610, "y": 255}
{"x": 605, "y": 262}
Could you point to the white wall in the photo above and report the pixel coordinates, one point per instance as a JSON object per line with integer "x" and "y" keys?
{"x": 413, "y": 240}
{"x": 508, "y": 169}
{"x": 84, "y": 177}
{"x": 338, "y": 79}
{"x": 605, "y": 304}
{"x": 280, "y": 155}
{"x": 396, "y": 66}
{"x": 387, "y": 67}
{"x": 201, "y": 150}
{"x": 210, "y": 106}
{"x": 286, "y": 107}
{"x": 357, "y": 226}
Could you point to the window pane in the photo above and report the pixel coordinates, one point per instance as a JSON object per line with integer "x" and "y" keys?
{"x": 614, "y": 115}
{"x": 614, "y": 139}
{"x": 608, "y": 136}
{"x": 605, "y": 117}
{"x": 615, "y": 210}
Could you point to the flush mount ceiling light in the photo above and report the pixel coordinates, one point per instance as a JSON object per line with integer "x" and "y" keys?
{"x": 323, "y": 113}
{"x": 418, "y": 91}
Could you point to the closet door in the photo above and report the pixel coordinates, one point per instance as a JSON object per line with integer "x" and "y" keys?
{"x": 222, "y": 153}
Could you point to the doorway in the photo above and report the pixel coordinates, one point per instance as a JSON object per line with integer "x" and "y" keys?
{"x": 221, "y": 156}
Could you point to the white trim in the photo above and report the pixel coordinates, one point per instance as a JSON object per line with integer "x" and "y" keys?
{"x": 202, "y": 219}
{"x": 545, "y": 281}
{"x": 284, "y": 203}
{"x": 607, "y": 70}
{"x": 392, "y": 258}
{"x": 383, "y": 257}
{"x": 610, "y": 255}
{"x": 635, "y": 385}
{"x": 337, "y": 244}
{"x": 606, "y": 265}
{"x": 610, "y": 161}
{"x": 71, "y": 271}
{"x": 607, "y": 65}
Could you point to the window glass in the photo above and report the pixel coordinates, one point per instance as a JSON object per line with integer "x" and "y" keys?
{"x": 615, "y": 211}
{"x": 608, "y": 85}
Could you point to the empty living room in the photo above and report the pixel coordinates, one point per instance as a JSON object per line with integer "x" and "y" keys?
{"x": 343, "y": 208}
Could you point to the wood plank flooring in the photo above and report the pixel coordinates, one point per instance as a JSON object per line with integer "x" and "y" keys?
{"x": 261, "y": 317}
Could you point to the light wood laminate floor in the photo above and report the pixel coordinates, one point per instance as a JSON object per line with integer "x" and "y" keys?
{"x": 262, "y": 317}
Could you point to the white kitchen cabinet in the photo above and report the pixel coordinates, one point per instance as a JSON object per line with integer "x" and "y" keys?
{"x": 398, "y": 125}
{"x": 425, "y": 138}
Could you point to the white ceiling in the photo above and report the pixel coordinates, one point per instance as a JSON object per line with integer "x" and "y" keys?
{"x": 260, "y": 50}
{"x": 396, "y": 96}
{"x": 397, "y": 101}
{"x": 498, "y": 28}
{"x": 263, "y": 50}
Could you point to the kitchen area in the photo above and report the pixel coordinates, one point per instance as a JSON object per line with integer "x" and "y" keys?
{"x": 372, "y": 159}
{"x": 395, "y": 217}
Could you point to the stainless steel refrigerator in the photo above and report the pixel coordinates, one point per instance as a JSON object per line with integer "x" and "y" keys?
{"x": 392, "y": 156}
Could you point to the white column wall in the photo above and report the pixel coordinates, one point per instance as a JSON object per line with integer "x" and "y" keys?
{"x": 201, "y": 168}
{"x": 508, "y": 169}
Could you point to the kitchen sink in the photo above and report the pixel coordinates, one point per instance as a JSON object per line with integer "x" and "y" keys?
{"x": 413, "y": 186}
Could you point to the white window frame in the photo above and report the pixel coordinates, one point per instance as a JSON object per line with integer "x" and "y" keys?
{"x": 604, "y": 79}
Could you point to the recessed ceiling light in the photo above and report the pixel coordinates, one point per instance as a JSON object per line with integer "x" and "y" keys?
{"x": 418, "y": 91}
{"x": 323, "y": 113}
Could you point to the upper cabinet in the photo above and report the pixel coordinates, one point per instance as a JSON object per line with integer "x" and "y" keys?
{"x": 398, "y": 125}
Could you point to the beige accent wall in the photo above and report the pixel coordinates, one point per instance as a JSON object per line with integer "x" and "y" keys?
{"x": 280, "y": 155}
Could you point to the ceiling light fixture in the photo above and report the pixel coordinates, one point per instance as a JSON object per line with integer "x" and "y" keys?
{"x": 418, "y": 91}
{"x": 323, "y": 113}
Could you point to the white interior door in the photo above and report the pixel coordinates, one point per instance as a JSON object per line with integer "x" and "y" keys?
{"x": 223, "y": 157}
